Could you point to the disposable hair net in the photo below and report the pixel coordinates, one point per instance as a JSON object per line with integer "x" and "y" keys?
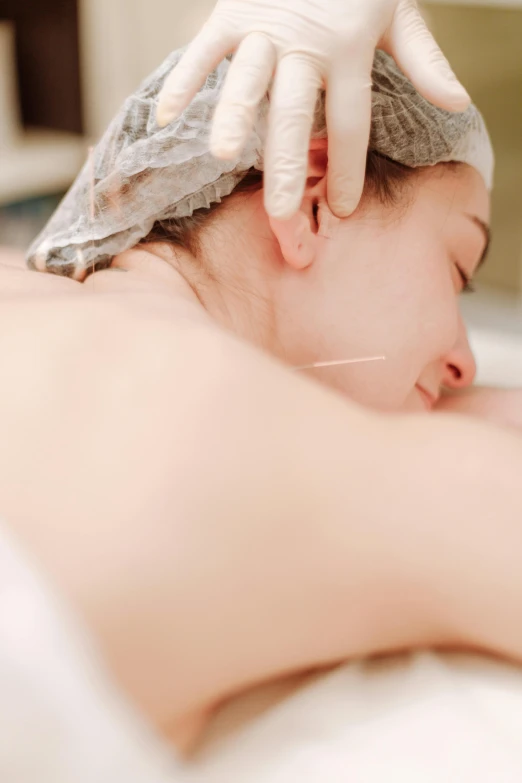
{"x": 139, "y": 173}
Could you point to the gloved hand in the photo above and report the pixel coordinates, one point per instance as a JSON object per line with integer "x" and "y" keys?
{"x": 308, "y": 44}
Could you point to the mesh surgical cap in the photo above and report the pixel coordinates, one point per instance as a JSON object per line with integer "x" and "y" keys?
{"x": 139, "y": 173}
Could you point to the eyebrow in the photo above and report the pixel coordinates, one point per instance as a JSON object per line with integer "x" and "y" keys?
{"x": 487, "y": 236}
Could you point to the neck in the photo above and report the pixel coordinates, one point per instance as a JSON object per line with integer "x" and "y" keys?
{"x": 233, "y": 275}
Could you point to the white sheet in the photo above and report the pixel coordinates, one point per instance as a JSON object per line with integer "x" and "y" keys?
{"x": 61, "y": 718}
{"x": 415, "y": 719}
{"x": 499, "y": 357}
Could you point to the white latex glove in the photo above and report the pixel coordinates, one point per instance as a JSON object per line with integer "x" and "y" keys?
{"x": 308, "y": 44}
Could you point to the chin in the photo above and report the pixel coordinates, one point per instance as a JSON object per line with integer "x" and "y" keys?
{"x": 371, "y": 395}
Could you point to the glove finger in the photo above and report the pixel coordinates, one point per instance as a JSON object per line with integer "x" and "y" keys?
{"x": 348, "y": 117}
{"x": 206, "y": 51}
{"x": 420, "y": 58}
{"x": 292, "y": 105}
{"x": 245, "y": 87}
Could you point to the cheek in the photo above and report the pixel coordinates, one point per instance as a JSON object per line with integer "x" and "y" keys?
{"x": 415, "y": 329}
{"x": 436, "y": 320}
{"x": 392, "y": 297}
{"x": 438, "y": 329}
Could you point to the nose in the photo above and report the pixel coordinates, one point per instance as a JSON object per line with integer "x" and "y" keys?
{"x": 459, "y": 364}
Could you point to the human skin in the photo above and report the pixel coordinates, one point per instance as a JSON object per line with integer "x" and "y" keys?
{"x": 384, "y": 282}
{"x": 244, "y": 510}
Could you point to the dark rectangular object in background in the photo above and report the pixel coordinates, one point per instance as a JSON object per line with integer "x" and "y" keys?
{"x": 47, "y": 41}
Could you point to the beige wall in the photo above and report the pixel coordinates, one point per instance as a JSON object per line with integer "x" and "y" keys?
{"x": 157, "y": 39}
{"x": 484, "y": 46}
{"x": 123, "y": 41}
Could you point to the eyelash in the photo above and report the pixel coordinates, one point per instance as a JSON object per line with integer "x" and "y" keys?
{"x": 467, "y": 286}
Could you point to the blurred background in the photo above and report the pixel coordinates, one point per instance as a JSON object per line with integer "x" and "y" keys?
{"x": 66, "y": 65}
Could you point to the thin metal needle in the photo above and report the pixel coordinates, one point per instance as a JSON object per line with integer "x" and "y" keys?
{"x": 340, "y": 362}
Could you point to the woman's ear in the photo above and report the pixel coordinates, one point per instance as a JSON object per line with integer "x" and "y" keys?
{"x": 297, "y": 240}
{"x": 299, "y": 237}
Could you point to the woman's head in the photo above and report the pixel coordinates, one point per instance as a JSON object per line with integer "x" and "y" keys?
{"x": 139, "y": 174}
{"x": 315, "y": 288}
{"x": 385, "y": 281}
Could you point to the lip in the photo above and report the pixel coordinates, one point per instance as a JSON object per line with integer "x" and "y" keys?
{"x": 428, "y": 399}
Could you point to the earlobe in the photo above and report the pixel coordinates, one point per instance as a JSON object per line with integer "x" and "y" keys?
{"x": 299, "y": 238}
{"x": 297, "y": 241}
